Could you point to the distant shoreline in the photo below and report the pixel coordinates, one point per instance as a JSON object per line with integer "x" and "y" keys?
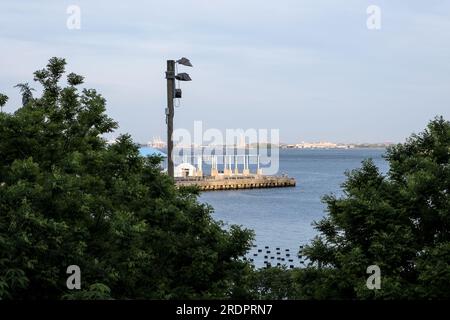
{"x": 283, "y": 147}
{"x": 352, "y": 148}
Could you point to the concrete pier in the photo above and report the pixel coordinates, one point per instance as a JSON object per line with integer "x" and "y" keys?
{"x": 209, "y": 183}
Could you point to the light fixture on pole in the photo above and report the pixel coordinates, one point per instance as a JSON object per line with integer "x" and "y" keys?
{"x": 172, "y": 93}
{"x": 185, "y": 62}
{"x": 183, "y": 77}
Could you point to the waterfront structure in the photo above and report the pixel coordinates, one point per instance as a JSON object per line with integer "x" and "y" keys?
{"x": 185, "y": 170}
{"x": 187, "y": 174}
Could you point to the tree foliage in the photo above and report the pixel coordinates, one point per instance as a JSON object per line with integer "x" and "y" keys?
{"x": 26, "y": 91}
{"x": 399, "y": 221}
{"x": 68, "y": 198}
{"x": 3, "y": 100}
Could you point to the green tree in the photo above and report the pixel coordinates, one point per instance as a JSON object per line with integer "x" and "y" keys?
{"x": 400, "y": 222}
{"x": 273, "y": 283}
{"x": 26, "y": 91}
{"x": 3, "y": 100}
{"x": 68, "y": 198}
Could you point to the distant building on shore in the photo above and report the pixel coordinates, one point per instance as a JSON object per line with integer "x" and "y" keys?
{"x": 157, "y": 143}
{"x": 318, "y": 145}
{"x": 332, "y": 145}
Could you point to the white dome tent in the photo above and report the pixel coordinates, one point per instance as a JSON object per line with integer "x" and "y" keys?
{"x": 185, "y": 170}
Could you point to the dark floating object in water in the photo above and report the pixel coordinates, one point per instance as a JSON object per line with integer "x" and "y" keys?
{"x": 267, "y": 247}
{"x": 259, "y": 250}
{"x": 266, "y": 257}
{"x": 282, "y": 259}
{"x": 291, "y": 260}
{"x": 268, "y": 251}
{"x": 287, "y": 250}
{"x": 291, "y": 266}
{"x": 301, "y": 247}
{"x": 288, "y": 254}
{"x": 272, "y": 257}
{"x": 251, "y": 260}
{"x": 278, "y": 258}
{"x": 255, "y": 254}
{"x": 278, "y": 248}
{"x": 278, "y": 264}
{"x": 278, "y": 252}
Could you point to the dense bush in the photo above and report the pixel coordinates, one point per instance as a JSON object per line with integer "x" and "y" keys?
{"x": 68, "y": 198}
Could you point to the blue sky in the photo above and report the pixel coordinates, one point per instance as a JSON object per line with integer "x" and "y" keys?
{"x": 309, "y": 68}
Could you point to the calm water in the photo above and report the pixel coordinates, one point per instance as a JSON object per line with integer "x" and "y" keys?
{"x": 283, "y": 217}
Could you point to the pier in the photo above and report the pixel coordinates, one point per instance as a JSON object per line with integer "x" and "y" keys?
{"x": 209, "y": 183}
{"x": 187, "y": 174}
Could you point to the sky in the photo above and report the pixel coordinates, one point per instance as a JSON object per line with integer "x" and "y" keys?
{"x": 312, "y": 69}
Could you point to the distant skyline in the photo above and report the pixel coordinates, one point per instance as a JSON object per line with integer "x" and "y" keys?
{"x": 311, "y": 69}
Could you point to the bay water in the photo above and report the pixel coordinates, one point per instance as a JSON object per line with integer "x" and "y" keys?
{"x": 282, "y": 218}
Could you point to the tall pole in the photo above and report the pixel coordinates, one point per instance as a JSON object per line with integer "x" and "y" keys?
{"x": 170, "y": 76}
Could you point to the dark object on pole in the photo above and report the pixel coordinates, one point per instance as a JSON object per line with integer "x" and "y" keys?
{"x": 177, "y": 93}
{"x": 183, "y": 77}
{"x": 185, "y": 62}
